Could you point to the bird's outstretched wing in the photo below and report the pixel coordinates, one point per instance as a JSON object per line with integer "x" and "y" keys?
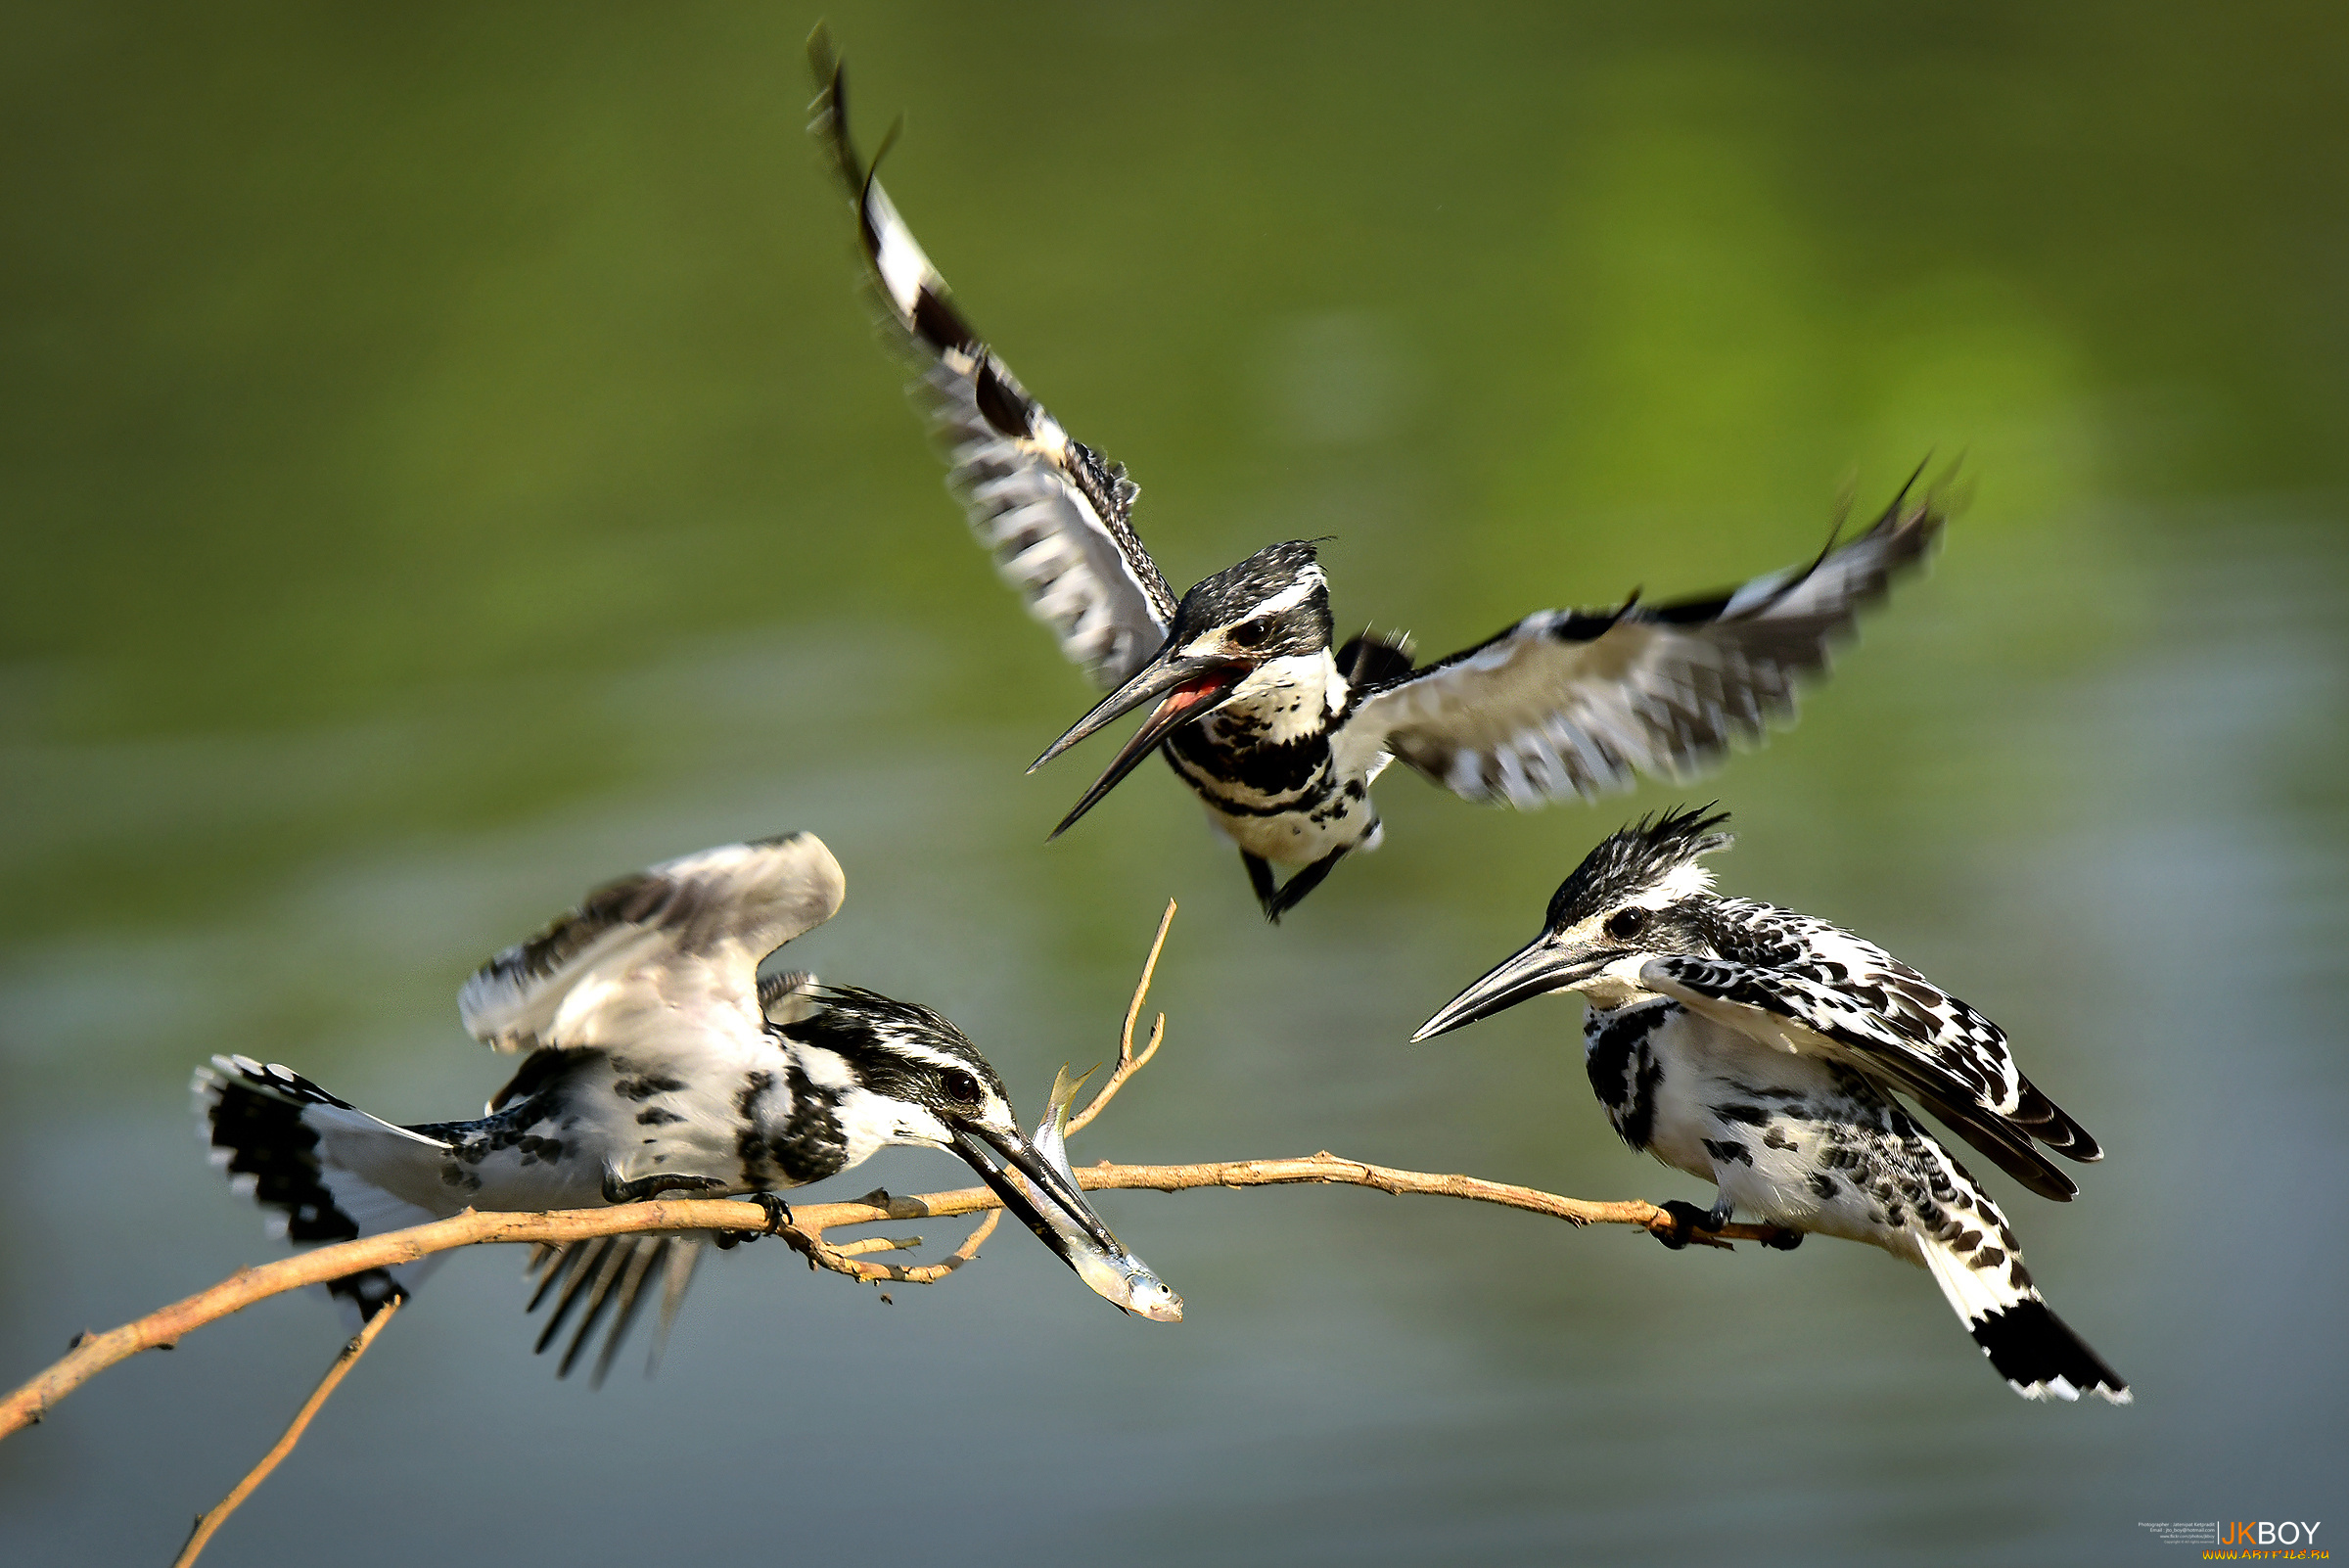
{"x": 1573, "y": 702}
{"x": 604, "y": 1279}
{"x": 676, "y": 947}
{"x": 1056, "y": 516}
{"x": 1813, "y": 988}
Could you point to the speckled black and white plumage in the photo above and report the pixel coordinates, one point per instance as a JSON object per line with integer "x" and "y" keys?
{"x": 1280, "y": 740}
{"x": 1765, "y": 1051}
{"x": 658, "y": 1063}
{"x": 1825, "y": 990}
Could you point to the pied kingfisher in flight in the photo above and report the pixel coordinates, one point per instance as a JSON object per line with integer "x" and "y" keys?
{"x": 658, "y": 1063}
{"x": 1280, "y": 737}
{"x": 1763, "y": 1050}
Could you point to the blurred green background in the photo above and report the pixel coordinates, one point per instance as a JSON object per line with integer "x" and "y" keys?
{"x": 447, "y": 464}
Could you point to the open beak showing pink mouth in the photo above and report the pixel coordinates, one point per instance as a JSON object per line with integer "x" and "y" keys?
{"x": 1192, "y": 688}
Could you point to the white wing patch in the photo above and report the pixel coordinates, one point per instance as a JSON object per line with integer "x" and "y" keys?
{"x": 672, "y": 951}
{"x": 1572, "y": 702}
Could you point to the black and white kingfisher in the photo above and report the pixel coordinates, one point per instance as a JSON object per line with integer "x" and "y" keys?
{"x": 1280, "y": 737}
{"x": 1765, "y": 1050}
{"x": 658, "y": 1063}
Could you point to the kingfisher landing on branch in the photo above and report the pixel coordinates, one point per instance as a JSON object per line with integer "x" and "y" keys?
{"x": 1765, "y": 1051}
{"x": 659, "y": 1064}
{"x": 1279, "y": 733}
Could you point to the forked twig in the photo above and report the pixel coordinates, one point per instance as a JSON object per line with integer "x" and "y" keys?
{"x": 872, "y": 1244}
{"x": 206, "y": 1523}
{"x": 1128, "y": 1063}
{"x": 807, "y": 1238}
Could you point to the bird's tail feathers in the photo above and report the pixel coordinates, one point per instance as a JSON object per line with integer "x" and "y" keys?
{"x": 2029, "y": 1346}
{"x": 321, "y": 1170}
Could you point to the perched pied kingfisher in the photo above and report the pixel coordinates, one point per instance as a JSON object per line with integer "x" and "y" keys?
{"x": 1763, "y": 1050}
{"x": 1280, "y": 737}
{"x": 658, "y": 1063}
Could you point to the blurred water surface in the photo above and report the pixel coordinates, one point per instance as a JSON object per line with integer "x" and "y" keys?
{"x": 449, "y": 466}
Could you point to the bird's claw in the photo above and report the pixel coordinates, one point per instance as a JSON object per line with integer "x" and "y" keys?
{"x": 645, "y": 1189}
{"x": 1782, "y": 1238}
{"x": 1688, "y": 1219}
{"x": 778, "y": 1217}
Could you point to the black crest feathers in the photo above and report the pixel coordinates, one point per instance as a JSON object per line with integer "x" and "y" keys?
{"x": 1636, "y": 857}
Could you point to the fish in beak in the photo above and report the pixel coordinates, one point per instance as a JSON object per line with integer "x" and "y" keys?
{"x": 1192, "y": 685}
{"x": 1546, "y": 964}
{"x": 1035, "y": 1184}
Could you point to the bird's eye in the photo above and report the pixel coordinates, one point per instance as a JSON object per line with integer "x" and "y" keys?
{"x": 959, "y": 1085}
{"x": 1625, "y": 924}
{"x": 1248, "y": 634}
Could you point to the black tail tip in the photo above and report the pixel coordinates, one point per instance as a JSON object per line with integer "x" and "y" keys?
{"x": 2041, "y": 1358}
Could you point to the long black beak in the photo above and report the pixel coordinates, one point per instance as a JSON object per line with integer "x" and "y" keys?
{"x": 1541, "y": 966}
{"x": 974, "y": 1146}
{"x": 1192, "y": 686}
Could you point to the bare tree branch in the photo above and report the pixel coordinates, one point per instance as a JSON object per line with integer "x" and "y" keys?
{"x": 94, "y": 1353}
{"x": 206, "y": 1523}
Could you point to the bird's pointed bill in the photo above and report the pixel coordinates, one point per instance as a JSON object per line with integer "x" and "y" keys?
{"x": 1189, "y": 688}
{"x": 1044, "y": 1194}
{"x": 1541, "y": 967}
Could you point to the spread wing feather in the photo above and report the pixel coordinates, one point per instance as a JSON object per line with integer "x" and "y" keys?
{"x": 610, "y": 1272}
{"x": 1573, "y": 702}
{"x": 675, "y": 948}
{"x": 1055, "y": 515}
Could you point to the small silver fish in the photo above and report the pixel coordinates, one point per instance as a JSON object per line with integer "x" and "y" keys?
{"x": 1114, "y": 1273}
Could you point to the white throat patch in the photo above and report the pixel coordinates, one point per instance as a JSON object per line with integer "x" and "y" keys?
{"x": 870, "y": 1123}
{"x": 1289, "y": 696}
